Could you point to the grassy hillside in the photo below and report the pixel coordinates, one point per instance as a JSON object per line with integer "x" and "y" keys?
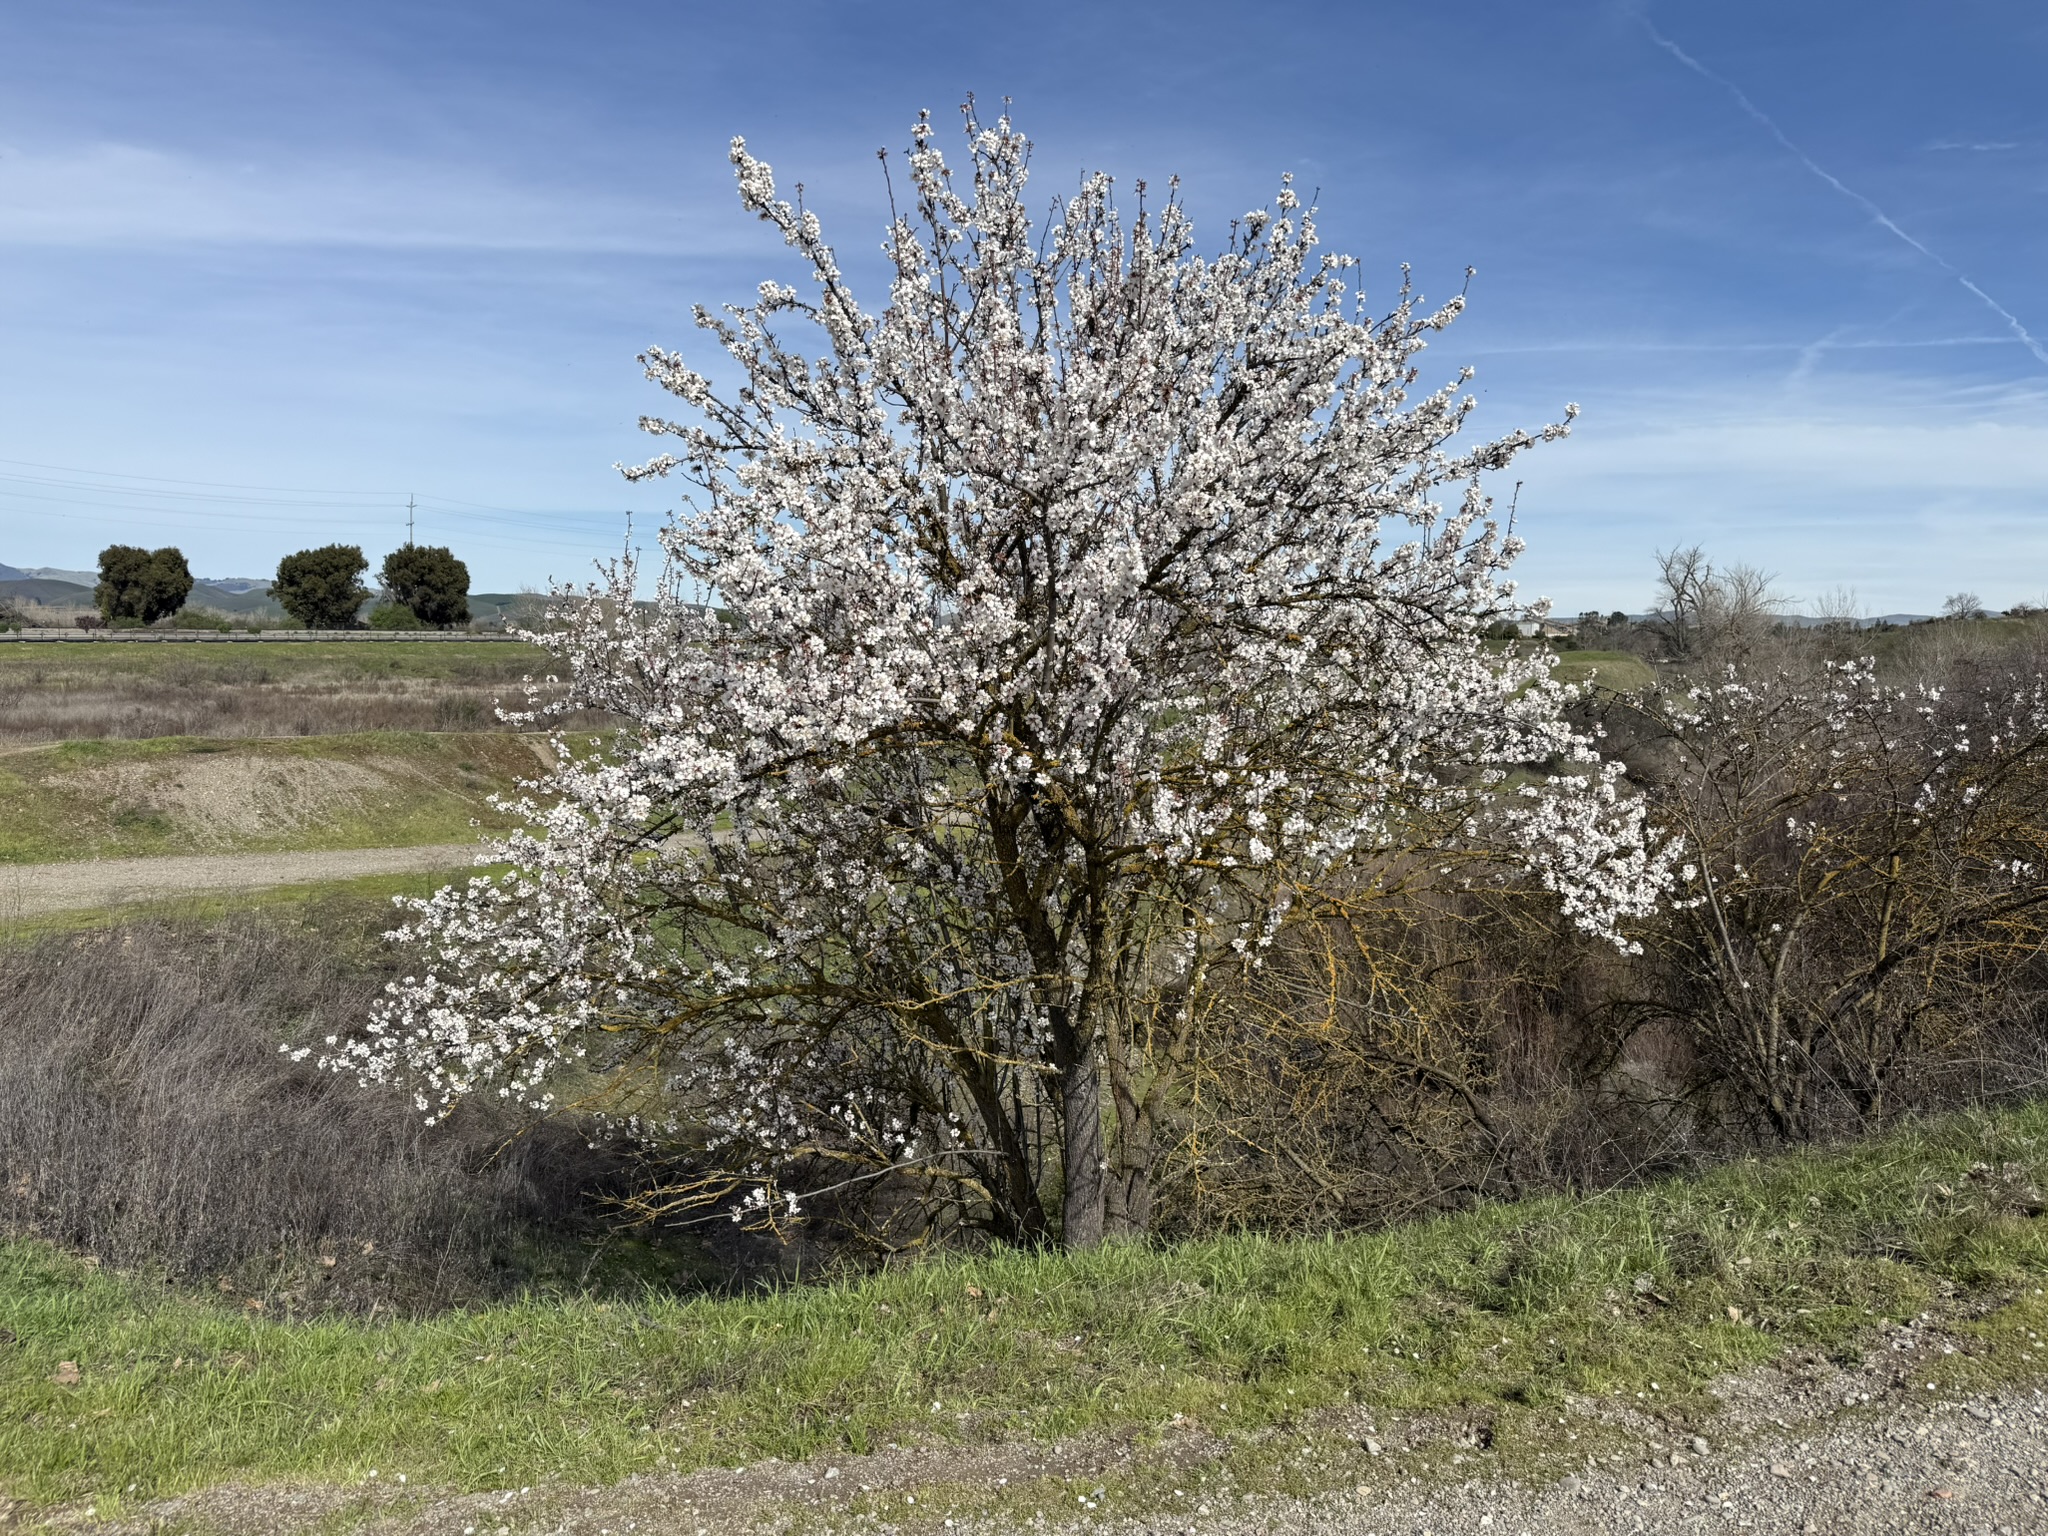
{"x": 41, "y": 589}
{"x": 375, "y": 789}
{"x": 119, "y": 1390}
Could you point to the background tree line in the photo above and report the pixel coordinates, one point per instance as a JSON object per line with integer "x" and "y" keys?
{"x": 424, "y": 587}
{"x": 421, "y": 586}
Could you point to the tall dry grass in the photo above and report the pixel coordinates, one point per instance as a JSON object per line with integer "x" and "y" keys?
{"x": 142, "y": 708}
{"x": 54, "y": 695}
{"x": 148, "y": 1117}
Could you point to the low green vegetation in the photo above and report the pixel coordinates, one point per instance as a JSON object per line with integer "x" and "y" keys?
{"x": 136, "y": 690}
{"x": 271, "y": 661}
{"x": 182, "y": 795}
{"x": 120, "y": 1390}
{"x": 1609, "y": 671}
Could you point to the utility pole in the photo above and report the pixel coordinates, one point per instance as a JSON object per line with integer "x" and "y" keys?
{"x": 408, "y": 519}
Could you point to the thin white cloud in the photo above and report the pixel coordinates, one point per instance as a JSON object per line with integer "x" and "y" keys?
{"x": 1620, "y": 345}
{"x": 1905, "y": 493}
{"x": 1976, "y": 149}
{"x": 133, "y": 195}
{"x": 1883, "y": 219}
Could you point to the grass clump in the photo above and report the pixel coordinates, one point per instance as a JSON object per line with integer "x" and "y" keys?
{"x": 1503, "y": 1309}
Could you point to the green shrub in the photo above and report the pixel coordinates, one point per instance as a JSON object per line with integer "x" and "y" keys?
{"x": 141, "y": 585}
{"x": 322, "y": 588}
{"x": 389, "y": 615}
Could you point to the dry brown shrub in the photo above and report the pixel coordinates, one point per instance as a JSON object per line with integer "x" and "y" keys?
{"x": 1394, "y": 1055}
{"x": 1866, "y": 935}
{"x": 149, "y": 1117}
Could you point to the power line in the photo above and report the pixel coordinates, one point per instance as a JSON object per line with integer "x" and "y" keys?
{"x": 175, "y": 518}
{"x": 217, "y": 507}
{"x": 213, "y": 485}
{"x": 152, "y": 481}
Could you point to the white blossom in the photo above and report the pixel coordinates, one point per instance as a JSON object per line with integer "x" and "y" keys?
{"x": 1036, "y": 629}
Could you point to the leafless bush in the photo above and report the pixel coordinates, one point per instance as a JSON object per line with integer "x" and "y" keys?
{"x": 1864, "y": 930}
{"x": 1866, "y": 936}
{"x": 1713, "y": 614}
{"x": 1393, "y": 1055}
{"x": 148, "y": 1116}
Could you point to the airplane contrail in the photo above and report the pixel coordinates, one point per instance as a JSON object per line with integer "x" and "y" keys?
{"x": 1764, "y": 119}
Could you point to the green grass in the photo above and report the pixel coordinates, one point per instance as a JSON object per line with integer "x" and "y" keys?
{"x": 270, "y": 661}
{"x": 1612, "y": 671}
{"x": 182, "y": 794}
{"x": 1504, "y": 1309}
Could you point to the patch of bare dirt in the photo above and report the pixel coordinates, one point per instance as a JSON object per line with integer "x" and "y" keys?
{"x": 221, "y": 799}
{"x": 29, "y": 890}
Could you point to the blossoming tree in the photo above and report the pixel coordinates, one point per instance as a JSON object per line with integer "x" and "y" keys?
{"x": 1863, "y": 899}
{"x": 1074, "y": 613}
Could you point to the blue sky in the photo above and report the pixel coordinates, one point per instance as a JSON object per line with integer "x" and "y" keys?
{"x": 265, "y": 268}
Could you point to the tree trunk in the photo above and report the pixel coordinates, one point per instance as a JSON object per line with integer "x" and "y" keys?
{"x": 1085, "y": 1207}
{"x": 1130, "y": 1191}
{"x": 1129, "y": 1206}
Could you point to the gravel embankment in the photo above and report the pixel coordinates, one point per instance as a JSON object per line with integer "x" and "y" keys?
{"x": 1976, "y": 1466}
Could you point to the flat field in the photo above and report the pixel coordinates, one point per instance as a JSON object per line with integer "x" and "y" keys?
{"x": 1610, "y": 671}
{"x": 56, "y": 692}
{"x": 103, "y": 799}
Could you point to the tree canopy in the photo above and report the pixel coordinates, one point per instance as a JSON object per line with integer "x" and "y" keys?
{"x": 1084, "y": 611}
{"x": 430, "y": 581}
{"x": 322, "y": 588}
{"x": 141, "y": 584}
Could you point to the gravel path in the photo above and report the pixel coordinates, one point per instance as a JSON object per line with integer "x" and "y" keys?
{"x": 1975, "y": 1466}
{"x": 27, "y": 890}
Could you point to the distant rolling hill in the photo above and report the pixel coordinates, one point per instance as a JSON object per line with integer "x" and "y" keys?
{"x": 40, "y": 589}
{"x": 52, "y": 593}
{"x": 255, "y": 603}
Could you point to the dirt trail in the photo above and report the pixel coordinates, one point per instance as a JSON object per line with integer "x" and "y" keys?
{"x": 28, "y": 890}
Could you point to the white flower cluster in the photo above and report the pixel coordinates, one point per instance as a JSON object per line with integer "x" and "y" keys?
{"x": 1822, "y": 760}
{"x": 1018, "y": 646}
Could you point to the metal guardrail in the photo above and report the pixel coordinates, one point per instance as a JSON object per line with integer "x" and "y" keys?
{"x": 263, "y": 637}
